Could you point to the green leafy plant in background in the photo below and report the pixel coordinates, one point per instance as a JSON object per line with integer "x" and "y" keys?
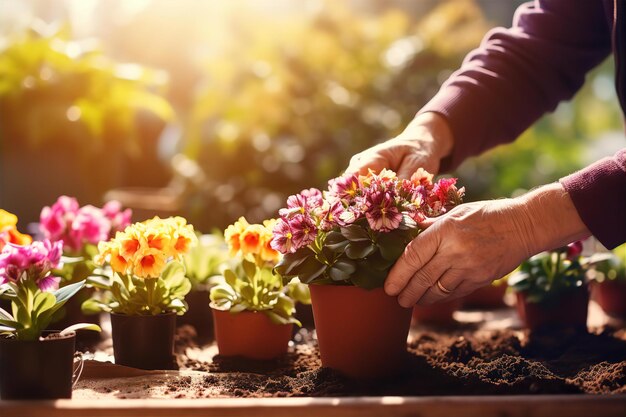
{"x": 288, "y": 101}
{"x": 56, "y": 90}
{"x": 548, "y": 275}
{"x": 205, "y": 263}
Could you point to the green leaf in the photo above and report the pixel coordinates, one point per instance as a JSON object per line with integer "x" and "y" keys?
{"x": 11, "y": 323}
{"x": 368, "y": 278}
{"x": 291, "y": 261}
{"x": 391, "y": 245}
{"x": 230, "y": 277}
{"x": 92, "y": 306}
{"x": 310, "y": 270}
{"x": 5, "y": 314}
{"x": 80, "y": 326}
{"x": 338, "y": 275}
{"x": 173, "y": 272}
{"x": 42, "y": 302}
{"x": 360, "y": 249}
{"x": 249, "y": 268}
{"x": 65, "y": 293}
{"x": 355, "y": 233}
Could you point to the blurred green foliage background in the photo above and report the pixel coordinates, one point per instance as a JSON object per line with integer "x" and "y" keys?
{"x": 236, "y": 105}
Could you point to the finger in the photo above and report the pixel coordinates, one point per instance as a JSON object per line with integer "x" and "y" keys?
{"x": 411, "y": 163}
{"x": 450, "y": 280}
{"x": 421, "y": 282}
{"x": 362, "y": 163}
{"x": 417, "y": 254}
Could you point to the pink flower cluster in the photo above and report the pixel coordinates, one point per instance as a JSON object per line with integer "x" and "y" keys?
{"x": 383, "y": 199}
{"x": 76, "y": 226}
{"x": 31, "y": 262}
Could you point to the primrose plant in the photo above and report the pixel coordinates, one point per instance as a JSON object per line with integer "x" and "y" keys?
{"x": 145, "y": 274}
{"x": 252, "y": 284}
{"x": 26, "y": 279}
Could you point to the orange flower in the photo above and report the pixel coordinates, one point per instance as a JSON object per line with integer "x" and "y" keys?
{"x": 233, "y": 233}
{"x": 118, "y": 263}
{"x": 251, "y": 239}
{"x": 129, "y": 244}
{"x": 150, "y": 264}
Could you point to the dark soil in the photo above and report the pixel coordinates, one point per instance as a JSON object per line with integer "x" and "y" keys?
{"x": 455, "y": 362}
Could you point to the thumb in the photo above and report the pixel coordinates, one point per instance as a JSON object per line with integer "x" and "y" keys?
{"x": 417, "y": 254}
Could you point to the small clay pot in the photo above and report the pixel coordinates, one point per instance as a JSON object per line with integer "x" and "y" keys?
{"x": 198, "y": 315}
{"x": 438, "y": 313}
{"x": 569, "y": 309}
{"x": 488, "y": 297}
{"x": 362, "y": 334}
{"x": 144, "y": 342}
{"x": 250, "y": 334}
{"x": 37, "y": 369}
{"x": 611, "y": 296}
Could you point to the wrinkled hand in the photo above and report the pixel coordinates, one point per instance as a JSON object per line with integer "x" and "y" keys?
{"x": 476, "y": 243}
{"x": 422, "y": 144}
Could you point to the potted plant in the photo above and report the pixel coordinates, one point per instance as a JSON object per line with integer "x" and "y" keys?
{"x": 79, "y": 229}
{"x": 35, "y": 364}
{"x": 10, "y": 234}
{"x": 145, "y": 290}
{"x": 204, "y": 265}
{"x": 253, "y": 310}
{"x": 608, "y": 278}
{"x": 551, "y": 289}
{"x": 343, "y": 243}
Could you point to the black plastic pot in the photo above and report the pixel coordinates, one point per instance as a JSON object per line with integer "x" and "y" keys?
{"x": 39, "y": 369}
{"x": 144, "y": 342}
{"x": 198, "y": 315}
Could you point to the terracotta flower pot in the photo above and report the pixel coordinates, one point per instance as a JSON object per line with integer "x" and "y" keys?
{"x": 144, "y": 342}
{"x": 568, "y": 310}
{"x": 439, "y": 313}
{"x": 611, "y": 296}
{"x": 361, "y": 334}
{"x": 250, "y": 334}
{"x": 198, "y": 315}
{"x": 39, "y": 369}
{"x": 490, "y": 296}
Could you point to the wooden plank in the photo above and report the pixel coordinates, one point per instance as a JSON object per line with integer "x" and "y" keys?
{"x": 496, "y": 406}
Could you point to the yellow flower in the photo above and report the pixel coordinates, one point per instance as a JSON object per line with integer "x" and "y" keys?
{"x": 233, "y": 233}
{"x": 150, "y": 263}
{"x": 7, "y": 220}
{"x": 129, "y": 242}
{"x": 268, "y": 253}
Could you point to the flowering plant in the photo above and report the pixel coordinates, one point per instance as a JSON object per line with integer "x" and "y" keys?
{"x": 147, "y": 276}
{"x": 354, "y": 232}
{"x": 549, "y": 274}
{"x": 80, "y": 229}
{"x": 9, "y": 232}
{"x": 25, "y": 277}
{"x": 252, "y": 284}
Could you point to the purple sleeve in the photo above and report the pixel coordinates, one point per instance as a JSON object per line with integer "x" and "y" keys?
{"x": 599, "y": 195}
{"x": 518, "y": 74}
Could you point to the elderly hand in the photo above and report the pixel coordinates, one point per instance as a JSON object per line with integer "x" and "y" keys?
{"x": 478, "y": 242}
{"x": 424, "y": 142}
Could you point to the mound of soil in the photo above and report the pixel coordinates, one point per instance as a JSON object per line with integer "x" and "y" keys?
{"x": 465, "y": 358}
{"x": 457, "y": 362}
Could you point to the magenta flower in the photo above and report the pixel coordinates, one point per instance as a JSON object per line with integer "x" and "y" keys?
{"x": 31, "y": 262}
{"x": 574, "y": 249}
{"x": 77, "y": 226}
{"x": 345, "y": 187}
{"x": 283, "y": 238}
{"x": 303, "y": 230}
{"x": 120, "y": 219}
{"x": 382, "y": 214}
{"x": 330, "y": 214}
